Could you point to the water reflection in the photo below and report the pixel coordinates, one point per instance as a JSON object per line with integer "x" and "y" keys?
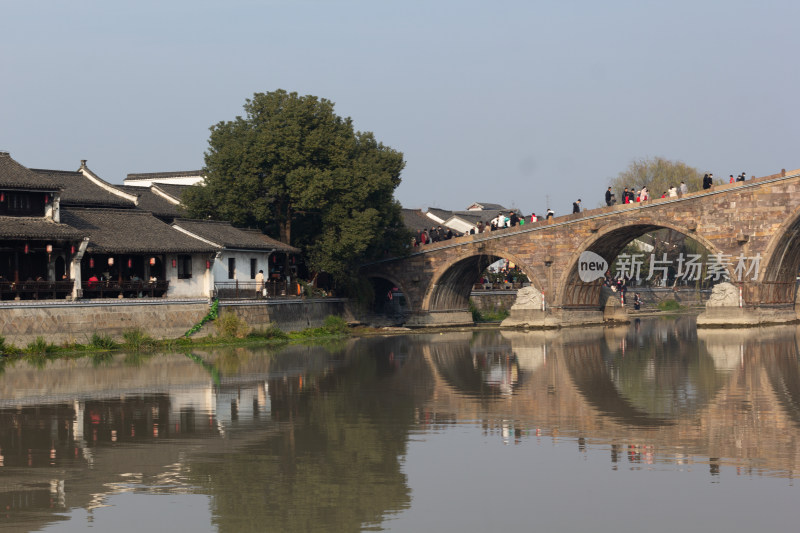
{"x": 312, "y": 438}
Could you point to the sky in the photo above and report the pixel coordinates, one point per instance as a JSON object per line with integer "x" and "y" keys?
{"x": 529, "y": 104}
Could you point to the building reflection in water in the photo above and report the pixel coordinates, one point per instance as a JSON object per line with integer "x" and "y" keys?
{"x": 319, "y": 435}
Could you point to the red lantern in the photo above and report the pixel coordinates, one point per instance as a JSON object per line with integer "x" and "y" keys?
{"x": 46, "y": 198}
{"x": 2, "y": 197}
{"x": 208, "y": 264}
{"x": 26, "y": 248}
{"x": 91, "y": 262}
{"x": 152, "y": 261}
{"x": 130, "y": 262}
{"x": 174, "y": 263}
{"x": 72, "y": 250}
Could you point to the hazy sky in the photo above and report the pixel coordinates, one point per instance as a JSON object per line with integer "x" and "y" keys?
{"x": 505, "y": 102}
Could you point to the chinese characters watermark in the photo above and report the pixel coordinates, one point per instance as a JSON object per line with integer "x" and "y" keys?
{"x": 689, "y": 267}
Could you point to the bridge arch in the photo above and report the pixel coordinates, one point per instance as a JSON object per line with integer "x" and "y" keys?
{"x": 376, "y": 277}
{"x": 452, "y": 282}
{"x": 780, "y": 263}
{"x": 608, "y": 242}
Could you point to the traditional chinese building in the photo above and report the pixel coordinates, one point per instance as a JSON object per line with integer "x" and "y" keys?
{"x": 37, "y": 250}
{"x": 71, "y": 233}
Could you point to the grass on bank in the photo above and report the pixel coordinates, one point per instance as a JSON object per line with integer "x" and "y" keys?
{"x": 494, "y": 315}
{"x": 230, "y": 330}
{"x": 669, "y": 305}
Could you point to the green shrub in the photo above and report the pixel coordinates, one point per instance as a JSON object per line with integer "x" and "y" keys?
{"x": 335, "y": 325}
{"x": 271, "y": 333}
{"x": 138, "y": 340}
{"x": 229, "y": 325}
{"x": 7, "y": 349}
{"x": 40, "y": 347}
{"x": 669, "y": 305}
{"x": 102, "y": 342}
{"x": 495, "y": 315}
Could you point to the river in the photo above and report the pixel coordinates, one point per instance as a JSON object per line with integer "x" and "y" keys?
{"x": 654, "y": 426}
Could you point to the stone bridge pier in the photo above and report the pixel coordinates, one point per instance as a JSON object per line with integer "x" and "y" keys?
{"x": 750, "y": 232}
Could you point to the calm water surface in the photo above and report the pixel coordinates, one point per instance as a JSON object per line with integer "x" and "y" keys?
{"x": 652, "y": 427}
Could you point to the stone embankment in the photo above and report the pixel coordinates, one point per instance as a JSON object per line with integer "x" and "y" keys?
{"x": 75, "y": 322}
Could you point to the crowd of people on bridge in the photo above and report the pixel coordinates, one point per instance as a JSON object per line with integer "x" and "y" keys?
{"x": 513, "y": 218}
{"x": 502, "y": 220}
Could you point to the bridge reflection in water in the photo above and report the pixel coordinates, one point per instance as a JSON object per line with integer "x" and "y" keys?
{"x": 309, "y": 436}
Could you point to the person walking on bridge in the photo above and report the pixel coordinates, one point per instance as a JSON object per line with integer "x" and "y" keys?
{"x": 608, "y": 196}
{"x": 576, "y": 206}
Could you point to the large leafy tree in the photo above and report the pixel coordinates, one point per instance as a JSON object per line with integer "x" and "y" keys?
{"x": 658, "y": 174}
{"x": 298, "y": 171}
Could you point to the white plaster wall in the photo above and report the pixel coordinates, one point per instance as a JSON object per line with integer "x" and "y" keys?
{"x": 201, "y": 284}
{"x": 220, "y": 268}
{"x": 198, "y": 286}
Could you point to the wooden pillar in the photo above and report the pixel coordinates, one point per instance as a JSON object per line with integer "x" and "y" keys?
{"x": 16, "y": 266}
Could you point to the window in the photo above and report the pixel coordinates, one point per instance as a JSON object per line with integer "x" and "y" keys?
{"x": 253, "y": 268}
{"x": 231, "y": 268}
{"x": 22, "y": 204}
{"x": 184, "y": 266}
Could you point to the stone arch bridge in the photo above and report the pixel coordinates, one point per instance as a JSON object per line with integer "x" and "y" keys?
{"x": 756, "y": 218}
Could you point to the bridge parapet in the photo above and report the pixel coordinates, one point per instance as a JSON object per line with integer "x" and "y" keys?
{"x": 759, "y": 218}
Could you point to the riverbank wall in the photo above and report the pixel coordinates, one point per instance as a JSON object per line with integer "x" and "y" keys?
{"x": 76, "y": 322}
{"x": 493, "y": 300}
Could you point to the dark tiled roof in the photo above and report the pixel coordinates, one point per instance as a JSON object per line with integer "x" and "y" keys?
{"x": 487, "y": 206}
{"x": 274, "y": 243}
{"x": 37, "y": 228}
{"x": 226, "y": 235}
{"x": 176, "y": 191}
{"x": 80, "y": 191}
{"x": 153, "y": 203}
{"x": 441, "y": 213}
{"x": 415, "y": 220}
{"x": 471, "y": 217}
{"x": 130, "y": 231}
{"x": 485, "y": 215}
{"x": 15, "y": 176}
{"x": 163, "y": 175}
